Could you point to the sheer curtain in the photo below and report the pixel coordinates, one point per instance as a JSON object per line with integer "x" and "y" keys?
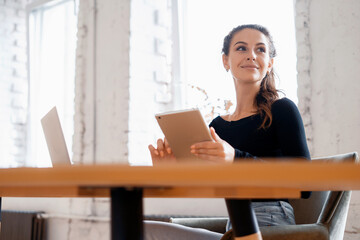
{"x": 52, "y": 43}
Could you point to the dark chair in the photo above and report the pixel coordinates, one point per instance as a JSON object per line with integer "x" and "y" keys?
{"x": 321, "y": 217}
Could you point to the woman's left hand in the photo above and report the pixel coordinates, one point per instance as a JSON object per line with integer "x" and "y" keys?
{"x": 215, "y": 151}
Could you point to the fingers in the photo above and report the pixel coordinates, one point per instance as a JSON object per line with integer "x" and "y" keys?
{"x": 207, "y": 145}
{"x": 160, "y": 144}
{"x": 153, "y": 151}
{"x": 214, "y": 135}
{"x": 207, "y": 149}
{"x": 162, "y": 153}
{"x": 210, "y": 158}
{"x": 167, "y": 146}
{"x": 211, "y": 152}
{"x": 161, "y": 147}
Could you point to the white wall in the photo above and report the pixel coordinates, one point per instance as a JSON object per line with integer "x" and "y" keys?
{"x": 329, "y": 50}
{"x": 13, "y": 83}
{"x": 102, "y": 82}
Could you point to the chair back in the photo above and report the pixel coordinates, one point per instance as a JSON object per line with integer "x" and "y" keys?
{"x": 320, "y": 206}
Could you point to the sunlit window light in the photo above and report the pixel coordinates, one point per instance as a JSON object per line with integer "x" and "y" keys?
{"x": 52, "y": 42}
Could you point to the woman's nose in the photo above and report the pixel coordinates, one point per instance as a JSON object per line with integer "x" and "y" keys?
{"x": 251, "y": 56}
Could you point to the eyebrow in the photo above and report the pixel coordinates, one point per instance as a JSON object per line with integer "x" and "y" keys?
{"x": 241, "y": 42}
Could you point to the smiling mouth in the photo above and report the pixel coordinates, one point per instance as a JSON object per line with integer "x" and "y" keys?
{"x": 250, "y": 67}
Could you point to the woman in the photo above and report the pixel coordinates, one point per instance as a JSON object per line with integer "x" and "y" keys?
{"x": 262, "y": 125}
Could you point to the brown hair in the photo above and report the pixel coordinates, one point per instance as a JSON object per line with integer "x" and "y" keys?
{"x": 268, "y": 93}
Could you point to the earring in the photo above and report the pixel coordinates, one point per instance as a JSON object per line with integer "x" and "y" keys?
{"x": 227, "y": 70}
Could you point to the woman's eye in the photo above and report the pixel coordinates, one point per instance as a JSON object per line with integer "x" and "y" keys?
{"x": 261, "y": 49}
{"x": 241, "y": 48}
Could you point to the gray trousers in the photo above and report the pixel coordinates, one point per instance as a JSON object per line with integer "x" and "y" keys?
{"x": 267, "y": 214}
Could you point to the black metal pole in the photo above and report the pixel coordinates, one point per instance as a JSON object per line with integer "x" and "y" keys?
{"x": 127, "y": 214}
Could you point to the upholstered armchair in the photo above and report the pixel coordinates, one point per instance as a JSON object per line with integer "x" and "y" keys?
{"x": 321, "y": 217}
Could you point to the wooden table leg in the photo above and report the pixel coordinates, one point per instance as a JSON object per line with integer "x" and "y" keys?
{"x": 127, "y": 214}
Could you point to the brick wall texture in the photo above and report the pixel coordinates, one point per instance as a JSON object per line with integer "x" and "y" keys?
{"x": 13, "y": 83}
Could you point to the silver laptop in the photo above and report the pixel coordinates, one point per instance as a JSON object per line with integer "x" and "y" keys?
{"x": 55, "y": 139}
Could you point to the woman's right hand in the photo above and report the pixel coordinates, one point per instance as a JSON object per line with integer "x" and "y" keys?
{"x": 162, "y": 153}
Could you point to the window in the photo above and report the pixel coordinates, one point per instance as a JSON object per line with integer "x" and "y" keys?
{"x": 52, "y": 42}
{"x": 202, "y": 33}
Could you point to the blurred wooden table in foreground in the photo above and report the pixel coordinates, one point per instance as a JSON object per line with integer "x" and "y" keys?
{"x": 127, "y": 185}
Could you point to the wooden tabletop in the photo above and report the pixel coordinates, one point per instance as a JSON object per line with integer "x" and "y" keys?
{"x": 283, "y": 179}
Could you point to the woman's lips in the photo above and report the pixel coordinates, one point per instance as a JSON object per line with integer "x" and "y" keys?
{"x": 250, "y": 67}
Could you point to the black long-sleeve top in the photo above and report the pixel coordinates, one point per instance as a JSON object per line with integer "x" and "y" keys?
{"x": 284, "y": 138}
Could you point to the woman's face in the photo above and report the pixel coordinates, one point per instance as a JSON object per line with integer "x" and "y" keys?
{"x": 248, "y": 58}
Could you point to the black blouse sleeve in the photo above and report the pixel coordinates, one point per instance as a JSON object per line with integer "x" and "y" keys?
{"x": 243, "y": 154}
{"x": 289, "y": 128}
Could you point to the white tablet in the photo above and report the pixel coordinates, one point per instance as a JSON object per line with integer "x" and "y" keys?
{"x": 182, "y": 129}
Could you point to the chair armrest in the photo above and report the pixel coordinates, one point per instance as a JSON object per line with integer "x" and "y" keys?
{"x": 283, "y": 232}
{"x": 290, "y": 232}
{"x": 295, "y": 232}
{"x": 215, "y": 224}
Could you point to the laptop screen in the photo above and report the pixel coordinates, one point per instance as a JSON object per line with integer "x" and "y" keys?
{"x": 55, "y": 138}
